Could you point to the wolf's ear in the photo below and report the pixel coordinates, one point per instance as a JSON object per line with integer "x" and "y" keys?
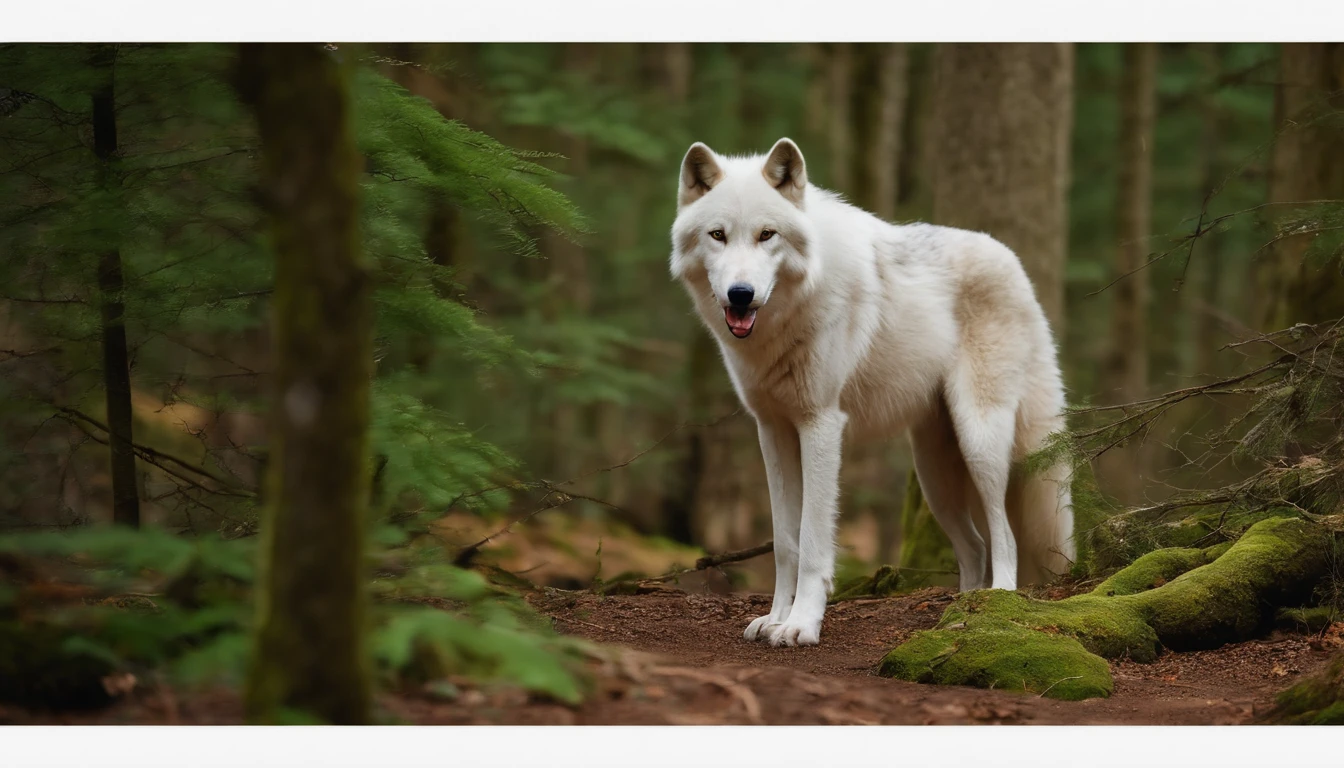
{"x": 785, "y": 171}
{"x": 699, "y": 173}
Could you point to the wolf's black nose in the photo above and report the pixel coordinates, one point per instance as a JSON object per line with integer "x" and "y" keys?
{"x": 740, "y": 295}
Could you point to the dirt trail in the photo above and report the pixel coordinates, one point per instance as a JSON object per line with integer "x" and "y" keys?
{"x": 692, "y": 665}
{"x": 679, "y": 658}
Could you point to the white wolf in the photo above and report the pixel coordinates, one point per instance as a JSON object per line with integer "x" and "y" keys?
{"x": 829, "y": 317}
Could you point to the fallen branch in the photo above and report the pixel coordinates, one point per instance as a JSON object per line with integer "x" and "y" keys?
{"x": 702, "y": 564}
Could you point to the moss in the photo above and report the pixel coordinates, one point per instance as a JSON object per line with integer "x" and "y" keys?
{"x": 1103, "y": 626}
{"x": 1229, "y": 598}
{"x": 1002, "y": 655}
{"x": 1276, "y": 562}
{"x": 1152, "y": 570}
{"x": 1307, "y": 619}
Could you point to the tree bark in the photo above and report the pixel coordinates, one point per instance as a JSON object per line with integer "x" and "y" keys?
{"x": 309, "y": 653}
{"x": 888, "y": 136}
{"x": 1203, "y": 287}
{"x": 116, "y": 357}
{"x": 840, "y": 78}
{"x": 1127, "y": 365}
{"x": 999, "y": 144}
{"x": 1307, "y": 165}
{"x": 571, "y": 287}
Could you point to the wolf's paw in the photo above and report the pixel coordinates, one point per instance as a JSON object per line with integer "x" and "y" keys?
{"x": 761, "y": 627}
{"x": 796, "y": 633}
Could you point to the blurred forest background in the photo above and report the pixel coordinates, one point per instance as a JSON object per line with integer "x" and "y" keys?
{"x": 530, "y": 349}
{"x": 527, "y": 339}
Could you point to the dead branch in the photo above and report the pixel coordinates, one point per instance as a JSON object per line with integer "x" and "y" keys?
{"x": 156, "y": 457}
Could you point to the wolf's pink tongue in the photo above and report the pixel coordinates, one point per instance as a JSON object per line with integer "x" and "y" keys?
{"x": 739, "y": 321}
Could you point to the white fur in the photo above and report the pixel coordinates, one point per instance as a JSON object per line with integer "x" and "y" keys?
{"x": 879, "y": 329}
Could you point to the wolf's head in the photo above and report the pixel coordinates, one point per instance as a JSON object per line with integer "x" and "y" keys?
{"x": 740, "y": 233}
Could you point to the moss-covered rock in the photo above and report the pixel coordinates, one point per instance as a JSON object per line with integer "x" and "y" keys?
{"x": 1131, "y": 615}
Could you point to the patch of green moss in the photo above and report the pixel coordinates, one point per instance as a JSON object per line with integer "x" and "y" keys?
{"x": 1152, "y": 570}
{"x": 1307, "y": 619}
{"x": 1001, "y": 655}
{"x": 1103, "y": 626}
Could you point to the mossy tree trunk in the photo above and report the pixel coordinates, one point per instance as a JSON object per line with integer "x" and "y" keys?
{"x": 309, "y": 654}
{"x": 999, "y": 146}
{"x": 1126, "y": 379}
{"x": 111, "y": 284}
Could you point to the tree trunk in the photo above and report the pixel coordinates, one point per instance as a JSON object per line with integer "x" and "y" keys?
{"x": 1202, "y": 289}
{"x": 310, "y": 653}
{"x": 571, "y": 288}
{"x": 116, "y": 359}
{"x": 885, "y": 159}
{"x": 1307, "y": 165}
{"x": 840, "y": 78}
{"x": 1126, "y": 372}
{"x": 1003, "y": 116}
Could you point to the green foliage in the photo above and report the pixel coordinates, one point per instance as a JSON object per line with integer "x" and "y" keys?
{"x": 154, "y": 600}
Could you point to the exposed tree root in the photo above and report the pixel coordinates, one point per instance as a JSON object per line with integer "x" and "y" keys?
{"x": 1178, "y": 598}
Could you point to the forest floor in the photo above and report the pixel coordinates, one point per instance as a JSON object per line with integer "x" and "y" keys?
{"x": 674, "y": 657}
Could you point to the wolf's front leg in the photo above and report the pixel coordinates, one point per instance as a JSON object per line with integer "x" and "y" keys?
{"x": 819, "y": 440}
{"x": 784, "y": 474}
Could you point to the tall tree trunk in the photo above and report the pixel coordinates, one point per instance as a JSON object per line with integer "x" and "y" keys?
{"x": 1126, "y": 371}
{"x": 571, "y": 287}
{"x": 116, "y": 359}
{"x": 840, "y": 79}
{"x": 309, "y": 654}
{"x": 1307, "y": 165}
{"x": 1203, "y": 287}
{"x": 1003, "y": 116}
{"x": 885, "y": 156}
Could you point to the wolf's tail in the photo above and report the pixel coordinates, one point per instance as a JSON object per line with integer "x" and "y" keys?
{"x": 1040, "y": 504}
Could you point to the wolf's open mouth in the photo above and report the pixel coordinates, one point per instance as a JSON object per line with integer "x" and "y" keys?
{"x": 739, "y": 321}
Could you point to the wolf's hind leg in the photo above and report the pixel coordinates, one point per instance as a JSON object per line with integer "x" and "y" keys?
{"x": 948, "y": 488}
{"x": 784, "y": 474}
{"x": 985, "y": 431}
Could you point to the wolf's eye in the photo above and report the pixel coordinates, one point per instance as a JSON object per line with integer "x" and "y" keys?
{"x": 717, "y": 234}
{"x": 766, "y": 234}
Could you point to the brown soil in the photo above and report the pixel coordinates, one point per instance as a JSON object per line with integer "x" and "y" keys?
{"x": 678, "y": 658}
